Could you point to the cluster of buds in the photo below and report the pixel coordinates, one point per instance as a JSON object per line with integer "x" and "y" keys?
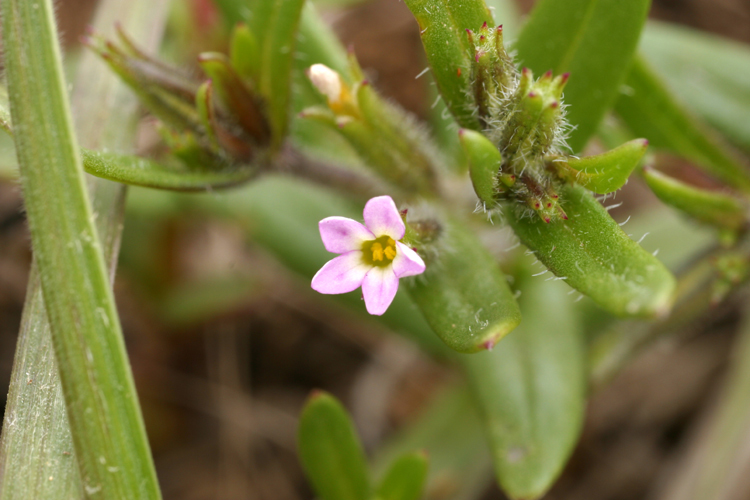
{"x": 389, "y": 140}
{"x": 520, "y": 154}
{"x": 212, "y": 123}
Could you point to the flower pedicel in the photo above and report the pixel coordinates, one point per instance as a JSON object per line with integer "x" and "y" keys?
{"x": 371, "y": 255}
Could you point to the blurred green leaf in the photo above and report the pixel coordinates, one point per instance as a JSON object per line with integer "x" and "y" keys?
{"x": 234, "y": 11}
{"x": 330, "y": 450}
{"x": 405, "y": 479}
{"x": 451, "y": 433}
{"x": 708, "y": 73}
{"x": 443, "y": 25}
{"x": 531, "y": 389}
{"x": 275, "y": 23}
{"x": 245, "y": 53}
{"x": 604, "y": 173}
{"x": 463, "y": 294}
{"x": 593, "y": 255}
{"x": 712, "y": 207}
{"x": 650, "y": 110}
{"x": 594, "y": 41}
{"x": 507, "y": 13}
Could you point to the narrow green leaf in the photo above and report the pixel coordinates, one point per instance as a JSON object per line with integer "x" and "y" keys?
{"x": 36, "y": 443}
{"x": 275, "y": 23}
{"x": 405, "y": 479}
{"x": 139, "y": 171}
{"x": 650, "y": 110}
{"x": 4, "y": 110}
{"x": 484, "y": 164}
{"x": 443, "y": 25}
{"x": 102, "y": 405}
{"x": 594, "y": 41}
{"x": 245, "y": 53}
{"x": 204, "y": 104}
{"x": 593, "y": 255}
{"x": 531, "y": 390}
{"x": 708, "y": 73}
{"x": 604, "y": 173}
{"x": 330, "y": 450}
{"x": 463, "y": 294}
{"x": 712, "y": 207}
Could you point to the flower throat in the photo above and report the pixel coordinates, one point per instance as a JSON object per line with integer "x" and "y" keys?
{"x": 379, "y": 252}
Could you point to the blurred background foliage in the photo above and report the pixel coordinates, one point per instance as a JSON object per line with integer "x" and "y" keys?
{"x": 226, "y": 339}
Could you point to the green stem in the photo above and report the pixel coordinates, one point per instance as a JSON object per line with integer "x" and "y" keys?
{"x": 105, "y": 423}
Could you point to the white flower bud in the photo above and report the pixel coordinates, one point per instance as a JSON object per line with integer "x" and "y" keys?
{"x": 326, "y": 81}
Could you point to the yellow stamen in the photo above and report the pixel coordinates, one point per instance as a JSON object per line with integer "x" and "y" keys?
{"x": 377, "y": 252}
{"x": 390, "y": 252}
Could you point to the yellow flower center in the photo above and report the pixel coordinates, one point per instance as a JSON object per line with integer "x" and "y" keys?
{"x": 379, "y": 252}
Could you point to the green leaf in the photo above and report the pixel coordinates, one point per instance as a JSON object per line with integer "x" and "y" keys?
{"x": 712, "y": 207}
{"x": 143, "y": 172}
{"x": 594, "y": 41}
{"x": 137, "y": 171}
{"x": 330, "y": 451}
{"x": 244, "y": 53}
{"x": 36, "y": 442}
{"x": 405, "y": 479}
{"x": 708, "y": 73}
{"x": 443, "y": 25}
{"x": 484, "y": 164}
{"x": 463, "y": 294}
{"x": 604, "y": 173}
{"x": 100, "y": 398}
{"x": 275, "y": 23}
{"x": 650, "y": 110}
{"x": 593, "y": 255}
{"x": 531, "y": 389}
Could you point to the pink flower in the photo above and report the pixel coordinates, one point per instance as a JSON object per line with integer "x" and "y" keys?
{"x": 371, "y": 255}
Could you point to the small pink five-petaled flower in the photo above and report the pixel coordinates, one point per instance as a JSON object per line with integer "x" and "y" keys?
{"x": 371, "y": 255}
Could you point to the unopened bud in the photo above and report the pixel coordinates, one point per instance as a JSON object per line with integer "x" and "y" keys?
{"x": 326, "y": 80}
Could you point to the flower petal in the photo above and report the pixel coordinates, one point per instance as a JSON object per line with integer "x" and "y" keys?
{"x": 407, "y": 262}
{"x": 342, "y": 274}
{"x": 378, "y": 288}
{"x": 382, "y": 218}
{"x": 341, "y": 235}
